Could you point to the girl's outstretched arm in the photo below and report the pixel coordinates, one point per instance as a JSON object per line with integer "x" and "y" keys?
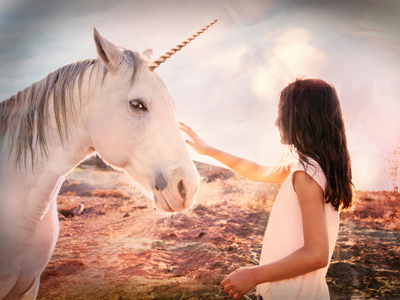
{"x": 312, "y": 256}
{"x": 243, "y": 166}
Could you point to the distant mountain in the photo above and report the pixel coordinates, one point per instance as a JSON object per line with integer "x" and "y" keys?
{"x": 211, "y": 173}
{"x": 207, "y": 171}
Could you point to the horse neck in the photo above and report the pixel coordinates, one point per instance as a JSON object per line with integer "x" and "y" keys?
{"x": 51, "y": 135}
{"x": 34, "y": 181}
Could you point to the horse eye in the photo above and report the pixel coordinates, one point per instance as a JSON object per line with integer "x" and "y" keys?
{"x": 137, "y": 105}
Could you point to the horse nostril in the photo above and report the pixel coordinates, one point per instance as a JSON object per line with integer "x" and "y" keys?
{"x": 182, "y": 190}
{"x": 157, "y": 188}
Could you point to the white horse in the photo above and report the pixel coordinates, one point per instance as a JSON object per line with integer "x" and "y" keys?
{"x": 116, "y": 106}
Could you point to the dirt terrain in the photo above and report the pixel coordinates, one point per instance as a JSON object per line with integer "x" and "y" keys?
{"x": 114, "y": 245}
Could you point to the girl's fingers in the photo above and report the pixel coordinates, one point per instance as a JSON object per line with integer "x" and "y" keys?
{"x": 182, "y": 126}
{"x": 195, "y": 141}
{"x": 231, "y": 292}
{"x": 192, "y": 135}
{"x": 185, "y": 127}
{"x": 190, "y": 143}
{"x": 224, "y": 282}
{"x": 189, "y": 132}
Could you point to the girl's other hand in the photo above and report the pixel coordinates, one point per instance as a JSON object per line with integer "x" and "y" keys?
{"x": 196, "y": 142}
{"x": 239, "y": 283}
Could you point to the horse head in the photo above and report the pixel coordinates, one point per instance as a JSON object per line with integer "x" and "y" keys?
{"x": 132, "y": 126}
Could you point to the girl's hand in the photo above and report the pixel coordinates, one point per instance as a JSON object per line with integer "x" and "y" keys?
{"x": 239, "y": 283}
{"x": 196, "y": 143}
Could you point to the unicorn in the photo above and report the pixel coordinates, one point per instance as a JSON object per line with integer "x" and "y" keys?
{"x": 116, "y": 106}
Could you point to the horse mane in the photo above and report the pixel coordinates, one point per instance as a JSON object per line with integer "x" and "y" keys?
{"x": 25, "y": 115}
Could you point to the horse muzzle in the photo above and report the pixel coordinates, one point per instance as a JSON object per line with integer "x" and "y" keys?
{"x": 176, "y": 193}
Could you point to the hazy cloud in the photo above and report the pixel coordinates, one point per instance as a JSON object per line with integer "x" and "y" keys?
{"x": 225, "y": 83}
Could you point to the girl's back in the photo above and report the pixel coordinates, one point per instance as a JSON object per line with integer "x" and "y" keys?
{"x": 284, "y": 235}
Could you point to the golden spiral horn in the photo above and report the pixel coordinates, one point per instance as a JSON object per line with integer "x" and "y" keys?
{"x": 168, "y": 54}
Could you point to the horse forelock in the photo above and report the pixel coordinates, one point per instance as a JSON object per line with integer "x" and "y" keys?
{"x": 25, "y": 115}
{"x": 136, "y": 61}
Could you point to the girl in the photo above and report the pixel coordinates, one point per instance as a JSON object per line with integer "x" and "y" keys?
{"x": 304, "y": 221}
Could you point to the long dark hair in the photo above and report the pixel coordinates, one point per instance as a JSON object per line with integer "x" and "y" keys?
{"x": 311, "y": 121}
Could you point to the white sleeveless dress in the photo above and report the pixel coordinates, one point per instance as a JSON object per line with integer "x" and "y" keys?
{"x": 284, "y": 235}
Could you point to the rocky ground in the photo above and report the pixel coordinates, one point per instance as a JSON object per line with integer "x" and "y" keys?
{"x": 114, "y": 245}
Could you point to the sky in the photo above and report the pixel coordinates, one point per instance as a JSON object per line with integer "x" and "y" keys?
{"x": 225, "y": 84}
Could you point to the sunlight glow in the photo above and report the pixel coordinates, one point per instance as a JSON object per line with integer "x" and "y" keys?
{"x": 292, "y": 54}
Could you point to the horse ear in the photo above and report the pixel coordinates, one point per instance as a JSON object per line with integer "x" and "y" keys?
{"x": 148, "y": 53}
{"x": 111, "y": 56}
